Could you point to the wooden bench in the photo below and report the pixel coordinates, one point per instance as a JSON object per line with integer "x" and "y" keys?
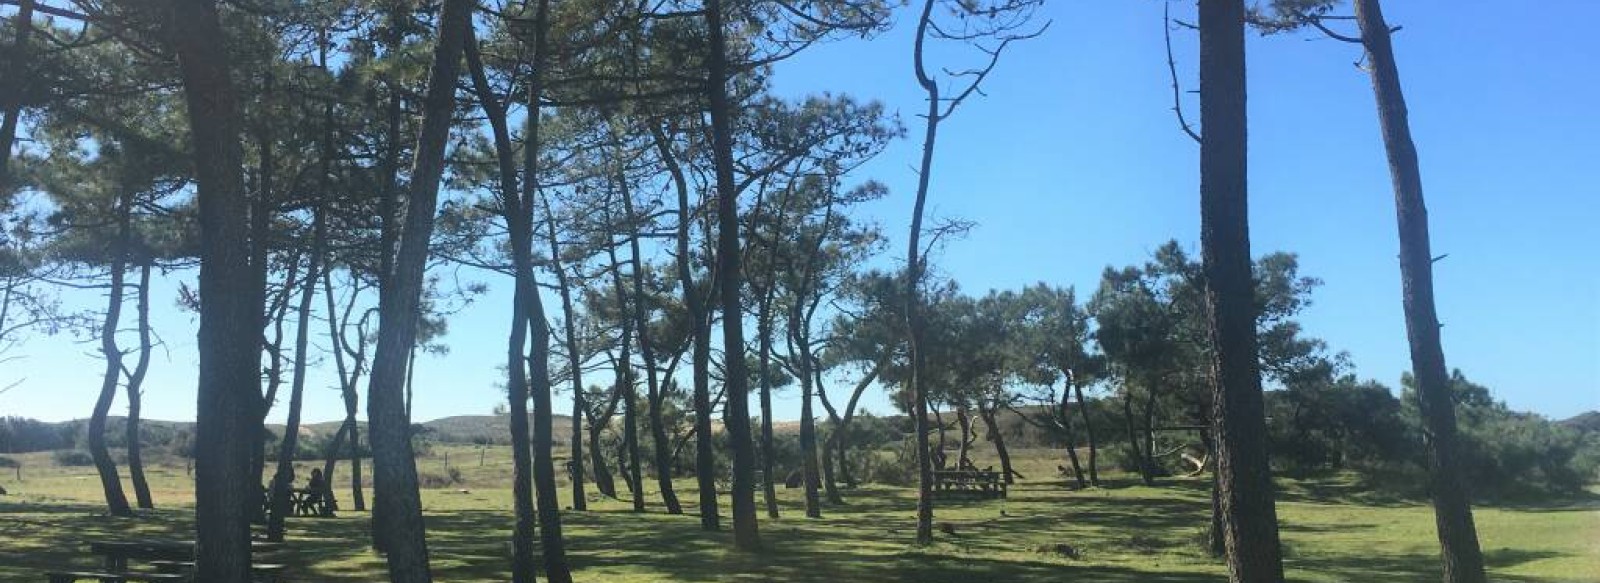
{"x": 118, "y": 553}
{"x": 969, "y": 484}
{"x": 112, "y": 577}
{"x": 261, "y": 572}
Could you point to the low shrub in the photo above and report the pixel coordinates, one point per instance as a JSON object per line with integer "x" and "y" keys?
{"x": 72, "y": 457}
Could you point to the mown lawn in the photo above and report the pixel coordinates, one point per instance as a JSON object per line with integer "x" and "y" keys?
{"x": 1124, "y": 532}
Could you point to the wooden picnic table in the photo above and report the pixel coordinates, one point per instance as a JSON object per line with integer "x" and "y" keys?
{"x": 969, "y": 483}
{"x": 117, "y": 553}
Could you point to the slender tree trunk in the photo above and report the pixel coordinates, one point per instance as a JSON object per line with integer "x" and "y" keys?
{"x": 398, "y": 501}
{"x": 769, "y": 488}
{"x": 655, "y": 394}
{"x": 110, "y": 481}
{"x": 1458, "y": 535}
{"x": 736, "y": 412}
{"x": 551, "y": 541}
{"x": 1088, "y": 430}
{"x": 626, "y": 382}
{"x": 229, "y": 338}
{"x": 700, "y": 358}
{"x": 964, "y": 450}
{"x": 580, "y": 501}
{"x": 1249, "y": 519}
{"x": 808, "y": 424}
{"x": 830, "y": 487}
{"x": 990, "y": 420}
{"x": 842, "y": 435}
{"x": 520, "y": 233}
{"x": 1064, "y": 414}
{"x": 141, "y": 487}
{"x": 11, "y": 95}
{"x": 1146, "y": 473}
{"x": 914, "y": 270}
{"x": 348, "y": 381}
{"x": 283, "y": 479}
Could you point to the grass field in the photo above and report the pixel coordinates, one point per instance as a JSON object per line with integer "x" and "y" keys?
{"x": 1123, "y": 532}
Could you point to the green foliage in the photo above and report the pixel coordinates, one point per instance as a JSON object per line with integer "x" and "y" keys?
{"x": 1328, "y": 424}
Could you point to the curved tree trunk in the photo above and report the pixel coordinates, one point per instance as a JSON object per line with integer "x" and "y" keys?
{"x": 399, "y": 504}
{"x": 580, "y": 501}
{"x": 914, "y": 270}
{"x": 626, "y": 382}
{"x": 520, "y": 233}
{"x": 841, "y": 435}
{"x": 964, "y": 449}
{"x": 1088, "y": 430}
{"x": 1064, "y": 416}
{"x": 283, "y": 478}
{"x": 989, "y": 419}
{"x": 700, "y": 358}
{"x": 1458, "y": 535}
{"x": 654, "y": 392}
{"x": 110, "y": 482}
{"x": 1244, "y": 480}
{"x": 141, "y": 487}
{"x": 551, "y": 542}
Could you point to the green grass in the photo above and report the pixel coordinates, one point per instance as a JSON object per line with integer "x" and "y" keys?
{"x": 1332, "y": 532}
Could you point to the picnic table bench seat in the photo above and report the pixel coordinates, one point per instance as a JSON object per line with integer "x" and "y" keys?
{"x": 980, "y": 484}
{"x": 112, "y": 577}
{"x": 262, "y": 572}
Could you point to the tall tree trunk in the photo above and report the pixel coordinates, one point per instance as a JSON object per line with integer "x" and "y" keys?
{"x": 398, "y": 501}
{"x": 1244, "y": 480}
{"x": 229, "y": 339}
{"x": 10, "y": 96}
{"x": 261, "y": 209}
{"x": 1146, "y": 473}
{"x": 1458, "y": 535}
{"x": 141, "y": 487}
{"x": 389, "y": 211}
{"x": 580, "y": 501}
{"x": 348, "y": 381}
{"x": 736, "y": 412}
{"x": 626, "y": 383}
{"x": 544, "y": 473}
{"x": 1088, "y": 430}
{"x": 520, "y": 233}
{"x": 1064, "y": 414}
{"x": 914, "y": 270}
{"x": 283, "y": 479}
{"x": 700, "y": 358}
{"x": 989, "y": 419}
{"x": 110, "y": 482}
{"x": 655, "y": 394}
{"x": 769, "y": 488}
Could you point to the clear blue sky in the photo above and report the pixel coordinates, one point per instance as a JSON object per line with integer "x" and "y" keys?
{"x": 1074, "y": 162}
